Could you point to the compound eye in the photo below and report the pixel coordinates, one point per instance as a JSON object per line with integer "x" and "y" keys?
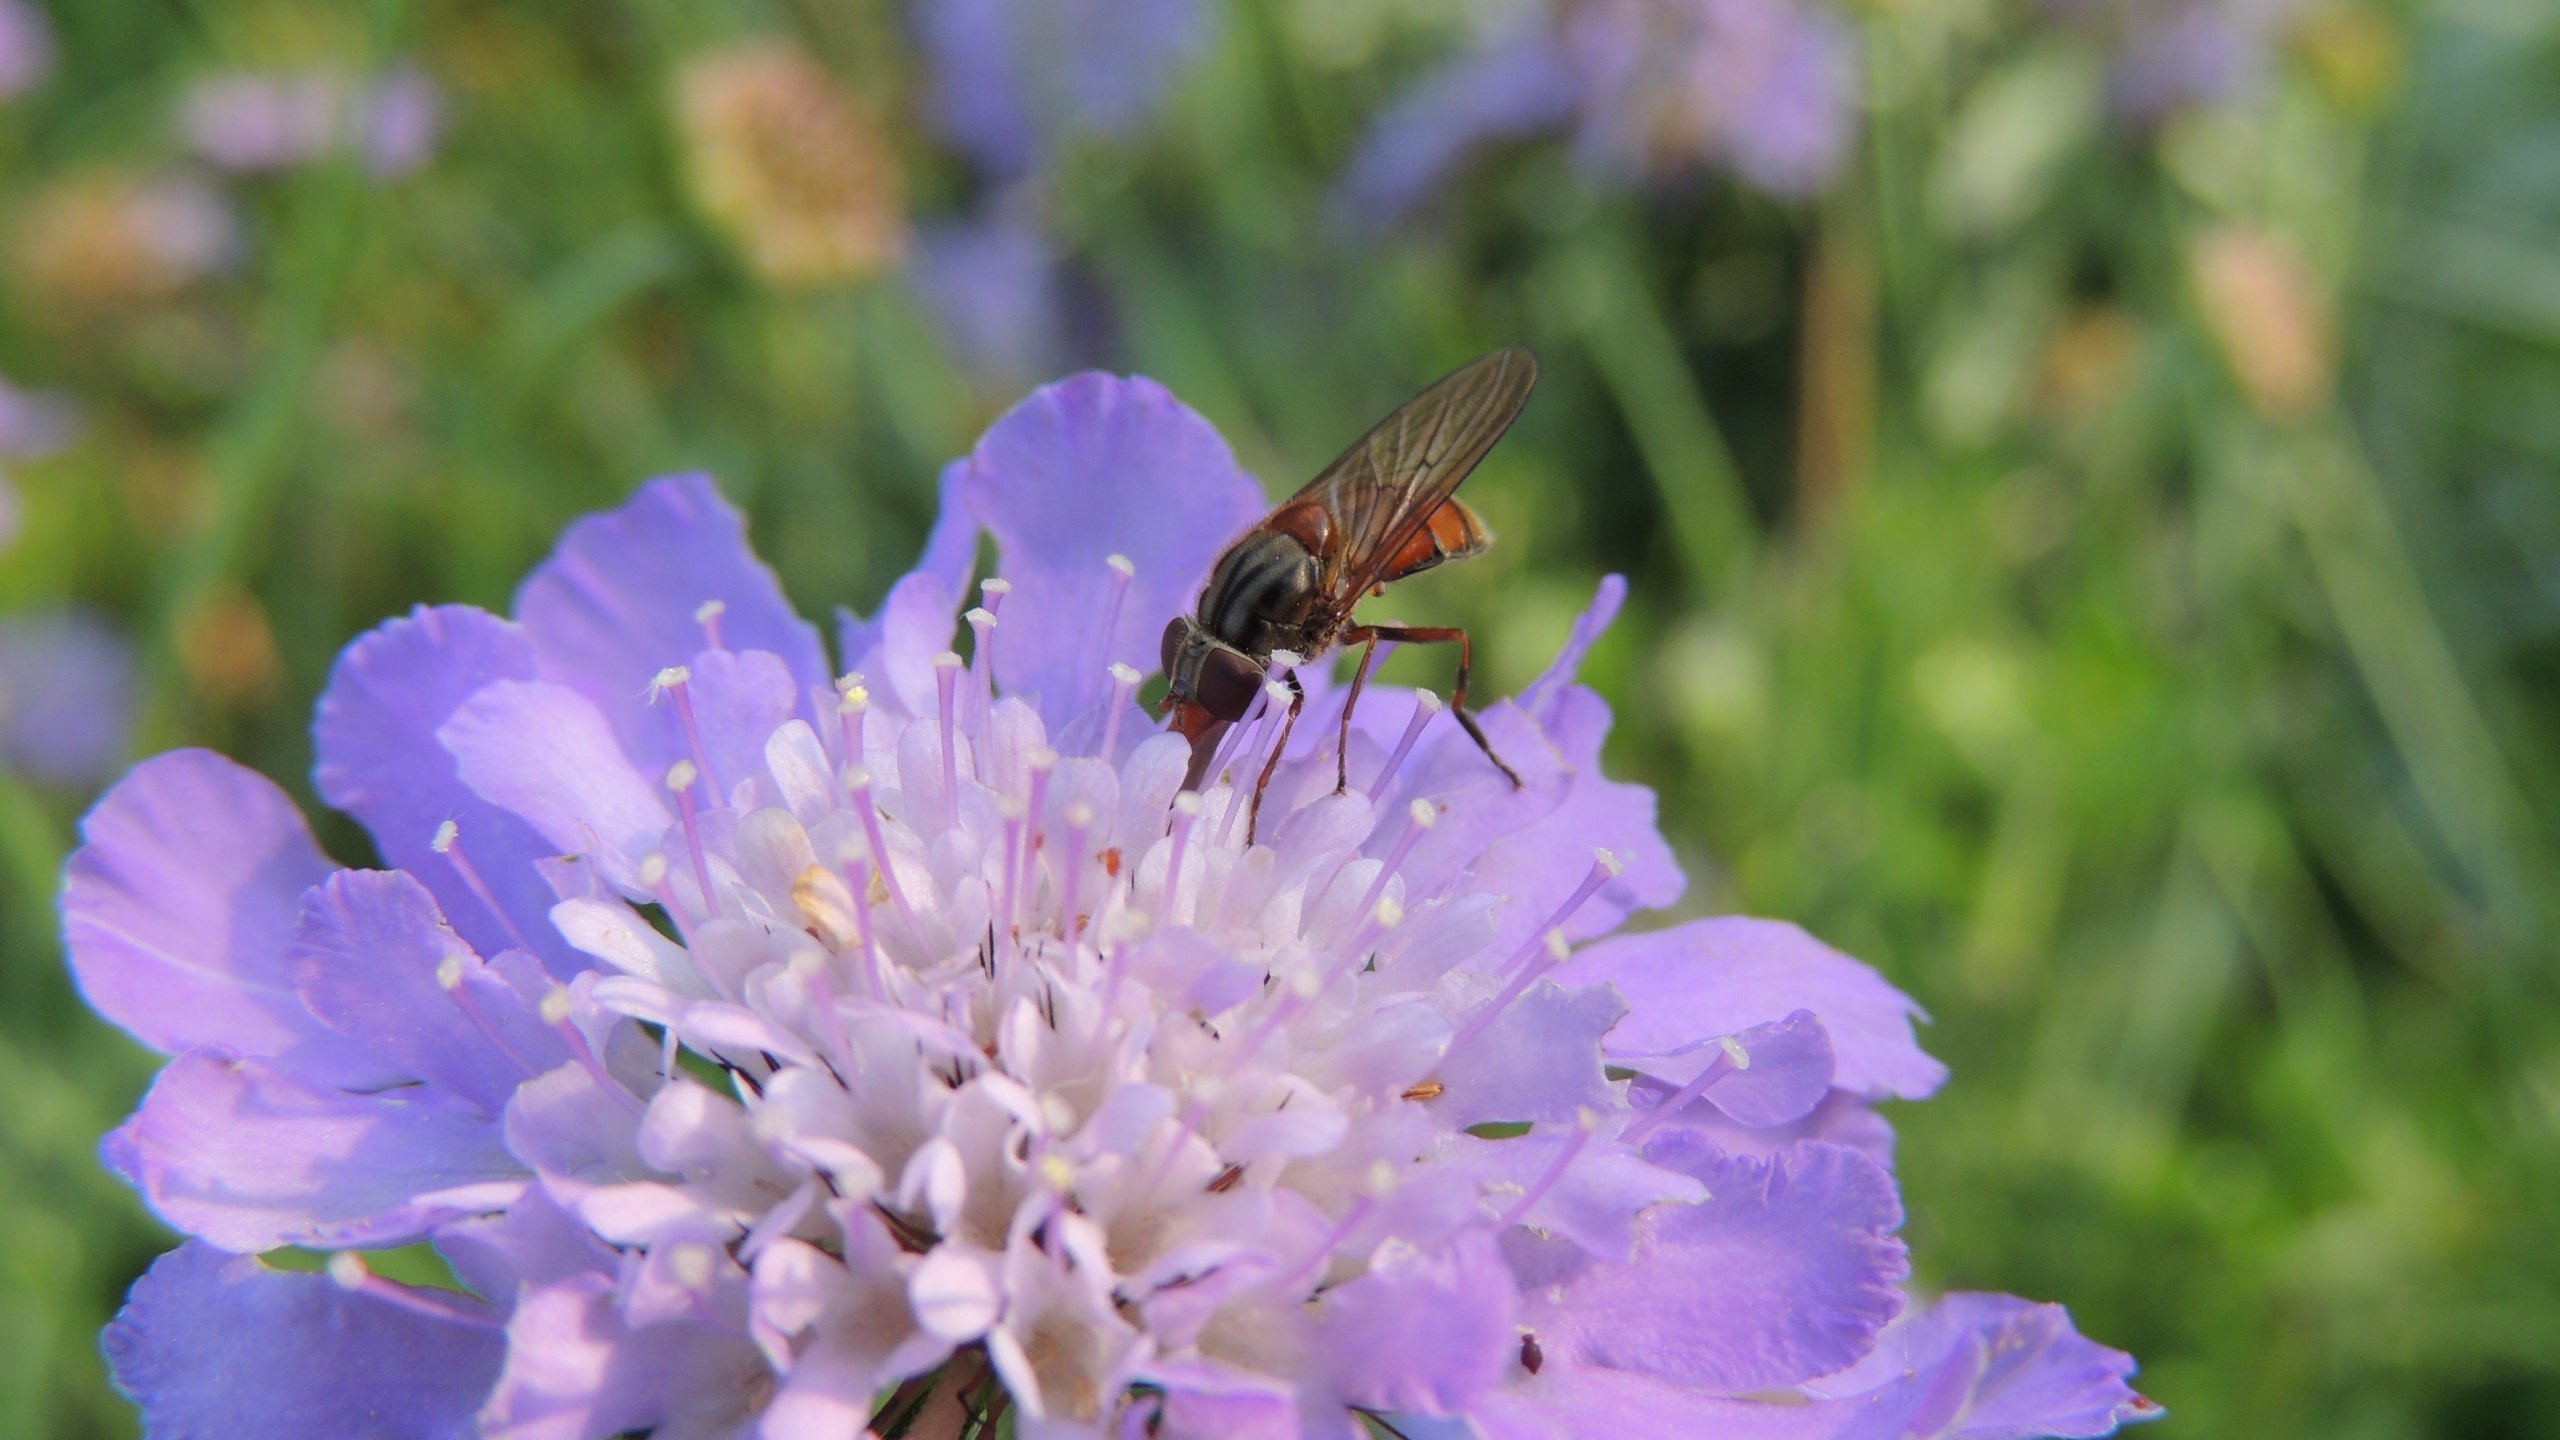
{"x": 1228, "y": 683}
{"x": 1173, "y": 638}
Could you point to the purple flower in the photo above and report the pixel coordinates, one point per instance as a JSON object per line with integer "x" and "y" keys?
{"x": 67, "y": 697}
{"x": 993, "y": 289}
{"x": 771, "y": 1052}
{"x": 26, "y": 48}
{"x": 35, "y": 423}
{"x": 1016, "y": 80}
{"x": 1764, "y": 88}
{"x": 256, "y": 122}
{"x": 2174, "y": 55}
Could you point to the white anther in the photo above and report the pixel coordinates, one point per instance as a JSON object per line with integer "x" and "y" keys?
{"x": 1733, "y": 1050}
{"x": 996, "y": 589}
{"x": 653, "y": 870}
{"x": 1057, "y": 1173}
{"x": 555, "y": 1005}
{"x": 1609, "y": 861}
{"x": 805, "y": 962}
{"x": 1040, "y": 758}
{"x": 691, "y": 1262}
{"x": 849, "y": 680}
{"x": 1188, "y": 803}
{"x": 1206, "y": 1090}
{"x": 1424, "y": 813}
{"x": 709, "y": 610}
{"x": 1125, "y": 925}
{"x": 948, "y": 660}
{"x": 1275, "y": 692}
{"x": 668, "y": 679}
{"x": 681, "y": 775}
{"x": 1557, "y": 946}
{"x": 1056, "y": 1113}
{"x": 1382, "y": 1179}
{"x": 1305, "y": 985}
{"x": 1430, "y": 703}
{"x": 1389, "y": 914}
{"x": 853, "y": 700}
{"x": 824, "y": 902}
{"x": 1121, "y": 565}
{"x": 349, "y": 1270}
{"x": 446, "y": 834}
{"x": 981, "y": 617}
{"x": 449, "y": 972}
{"x": 1586, "y": 1119}
{"x": 857, "y": 778}
{"x": 1287, "y": 659}
{"x": 1010, "y": 808}
{"x": 1078, "y": 816}
{"x": 1124, "y": 672}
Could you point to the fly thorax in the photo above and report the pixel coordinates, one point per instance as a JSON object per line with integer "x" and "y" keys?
{"x": 1257, "y": 597}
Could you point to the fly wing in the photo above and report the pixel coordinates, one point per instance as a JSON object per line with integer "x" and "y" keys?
{"x": 1383, "y": 489}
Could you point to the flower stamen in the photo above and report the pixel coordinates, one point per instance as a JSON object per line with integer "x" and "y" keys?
{"x": 448, "y": 843}
{"x": 676, "y": 683}
{"x": 946, "y": 684}
{"x": 352, "y": 1274}
{"x": 1585, "y": 1123}
{"x": 557, "y": 1012}
{"x": 1426, "y": 707}
{"x": 1730, "y": 1058}
{"x": 1605, "y": 867}
{"x": 1124, "y": 683}
{"x": 707, "y": 615}
{"x": 680, "y": 778}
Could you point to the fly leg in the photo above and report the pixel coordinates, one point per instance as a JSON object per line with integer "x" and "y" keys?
{"x": 1434, "y": 635}
{"x": 1359, "y": 678}
{"x": 1297, "y": 702}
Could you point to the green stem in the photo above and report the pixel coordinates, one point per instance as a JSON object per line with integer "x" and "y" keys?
{"x": 1632, "y": 344}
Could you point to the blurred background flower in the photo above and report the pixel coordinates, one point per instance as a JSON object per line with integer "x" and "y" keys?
{"x": 67, "y": 697}
{"x": 1658, "y": 88}
{"x": 255, "y": 122}
{"x": 783, "y": 161}
{"x": 26, "y": 48}
{"x": 2092, "y": 516}
{"x": 1013, "y": 82}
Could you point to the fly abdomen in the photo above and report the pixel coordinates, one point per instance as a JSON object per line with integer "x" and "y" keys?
{"x": 1258, "y": 594}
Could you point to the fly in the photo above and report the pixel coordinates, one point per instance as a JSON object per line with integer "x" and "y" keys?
{"x": 1385, "y": 510}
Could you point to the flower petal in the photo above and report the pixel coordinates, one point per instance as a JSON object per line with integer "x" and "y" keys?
{"x": 1716, "y": 977}
{"x": 575, "y": 1370}
{"x": 1787, "y": 1271}
{"x": 546, "y": 753}
{"x": 1090, "y": 467}
{"x": 617, "y": 602}
{"x": 242, "y": 1153}
{"x": 1515, "y": 85}
{"x": 381, "y": 762}
{"x": 367, "y": 958}
{"x": 211, "y": 1344}
{"x": 1988, "y": 1367}
{"x": 1422, "y": 1333}
{"x": 1540, "y": 1060}
{"x": 178, "y": 908}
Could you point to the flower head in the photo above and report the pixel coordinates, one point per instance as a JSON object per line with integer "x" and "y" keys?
{"x": 780, "y": 158}
{"x": 254, "y": 122}
{"x": 1016, "y": 80}
{"x": 67, "y": 697}
{"x": 107, "y": 242}
{"x": 26, "y": 48}
{"x": 1763, "y": 88}
{"x": 778, "y": 1050}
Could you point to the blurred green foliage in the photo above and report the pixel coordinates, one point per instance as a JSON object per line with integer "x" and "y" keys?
{"x": 2108, "y": 579}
